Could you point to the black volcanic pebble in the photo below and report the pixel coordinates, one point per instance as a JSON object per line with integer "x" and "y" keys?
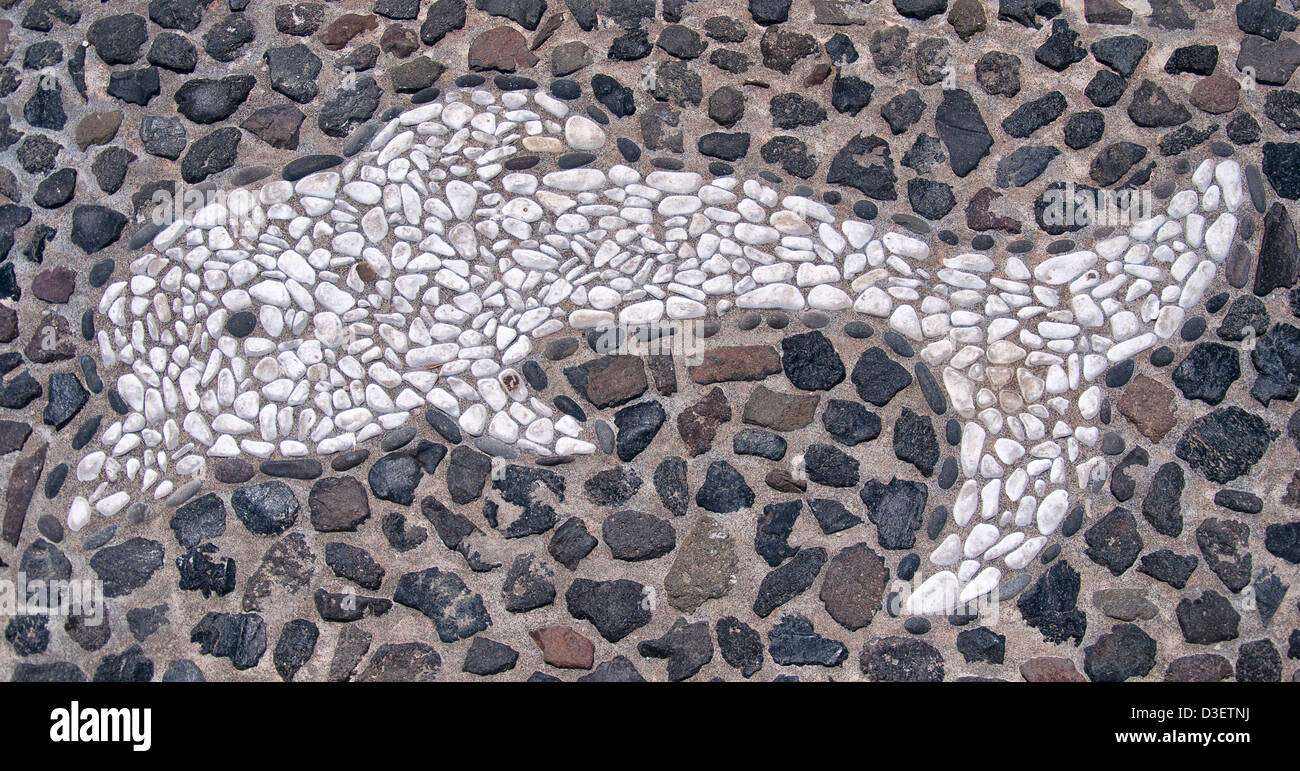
{"x": 1239, "y": 500}
{"x": 1207, "y": 372}
{"x": 764, "y": 444}
{"x": 849, "y": 422}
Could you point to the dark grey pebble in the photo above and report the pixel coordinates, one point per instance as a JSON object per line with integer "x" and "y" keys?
{"x": 309, "y": 164}
{"x": 54, "y": 482}
{"x": 349, "y": 460}
{"x": 50, "y": 527}
{"x": 444, "y": 424}
{"x": 557, "y": 350}
{"x": 569, "y": 407}
{"x": 1112, "y": 444}
{"x": 1239, "y": 500}
{"x": 947, "y": 473}
{"x": 296, "y": 468}
{"x": 99, "y": 538}
{"x": 397, "y": 438}
{"x": 952, "y": 432}
{"x": 91, "y": 374}
{"x": 917, "y": 625}
{"x": 535, "y": 375}
{"x": 815, "y": 319}
{"x": 86, "y": 432}
{"x": 1119, "y": 375}
{"x": 494, "y": 446}
{"x": 630, "y": 150}
{"x": 858, "y": 330}
{"x": 898, "y": 344}
{"x": 1193, "y": 328}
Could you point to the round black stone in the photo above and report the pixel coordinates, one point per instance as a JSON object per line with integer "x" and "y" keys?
{"x": 982, "y": 241}
{"x": 1193, "y": 328}
{"x": 859, "y": 330}
{"x": 917, "y": 625}
{"x": 865, "y": 209}
{"x": 1162, "y": 356}
{"x": 1119, "y": 375}
{"x": 565, "y": 89}
{"x": 241, "y": 324}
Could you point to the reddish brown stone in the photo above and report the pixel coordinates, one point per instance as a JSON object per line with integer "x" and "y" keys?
{"x": 338, "y": 504}
{"x": 399, "y": 41}
{"x": 1051, "y": 669}
{"x": 609, "y": 381}
{"x": 1216, "y": 94}
{"x": 1148, "y": 404}
{"x": 779, "y": 479}
{"x": 564, "y": 648}
{"x": 54, "y": 285}
{"x": 18, "y": 495}
{"x": 980, "y": 217}
{"x": 853, "y": 586}
{"x": 52, "y": 341}
{"x": 698, "y": 423}
{"x": 545, "y": 30}
{"x": 341, "y": 31}
{"x": 98, "y": 128}
{"x": 818, "y": 75}
{"x": 778, "y": 411}
{"x": 736, "y": 362}
{"x": 502, "y": 49}
{"x": 967, "y": 18}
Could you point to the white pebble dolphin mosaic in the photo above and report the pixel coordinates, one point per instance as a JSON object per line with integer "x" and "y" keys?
{"x": 467, "y": 266}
